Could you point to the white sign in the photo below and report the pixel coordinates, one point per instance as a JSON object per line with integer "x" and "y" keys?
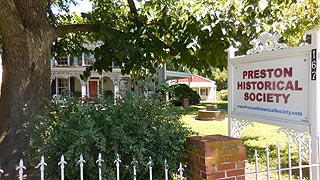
{"x": 272, "y": 88}
{"x": 277, "y": 86}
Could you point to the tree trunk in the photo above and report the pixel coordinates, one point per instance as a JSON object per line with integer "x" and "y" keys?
{"x": 26, "y": 81}
{"x": 27, "y": 37}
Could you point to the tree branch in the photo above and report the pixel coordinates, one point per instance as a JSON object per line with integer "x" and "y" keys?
{"x": 52, "y": 17}
{"x": 134, "y": 12}
{"x": 75, "y": 28}
{"x": 150, "y": 35}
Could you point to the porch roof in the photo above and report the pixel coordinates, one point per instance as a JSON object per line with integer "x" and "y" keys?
{"x": 177, "y": 75}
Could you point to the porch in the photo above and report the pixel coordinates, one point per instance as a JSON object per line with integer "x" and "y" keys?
{"x": 67, "y": 80}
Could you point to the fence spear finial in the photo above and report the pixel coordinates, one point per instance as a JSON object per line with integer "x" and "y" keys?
{"x": 20, "y": 168}
{"x": 166, "y": 177}
{"x": 134, "y": 164}
{"x": 81, "y": 162}
{"x": 149, "y": 164}
{"x": 180, "y": 170}
{"x": 117, "y": 162}
{"x": 42, "y": 164}
{"x": 99, "y": 162}
{"x": 61, "y": 164}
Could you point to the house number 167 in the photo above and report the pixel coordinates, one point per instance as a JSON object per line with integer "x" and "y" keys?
{"x": 314, "y": 64}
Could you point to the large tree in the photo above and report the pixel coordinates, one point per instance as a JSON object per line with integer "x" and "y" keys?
{"x": 186, "y": 33}
{"x": 29, "y": 30}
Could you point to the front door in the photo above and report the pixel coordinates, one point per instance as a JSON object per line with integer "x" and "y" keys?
{"x": 93, "y": 89}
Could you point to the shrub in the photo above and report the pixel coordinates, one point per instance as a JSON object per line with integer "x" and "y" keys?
{"x": 180, "y": 91}
{"x": 77, "y": 95}
{"x": 135, "y": 127}
{"x": 108, "y": 94}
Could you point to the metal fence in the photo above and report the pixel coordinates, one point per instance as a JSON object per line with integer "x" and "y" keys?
{"x": 303, "y": 168}
{"x": 21, "y": 168}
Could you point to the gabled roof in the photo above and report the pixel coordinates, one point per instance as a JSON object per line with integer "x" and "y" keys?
{"x": 194, "y": 78}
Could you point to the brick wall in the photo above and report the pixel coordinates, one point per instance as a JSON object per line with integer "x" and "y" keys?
{"x": 215, "y": 157}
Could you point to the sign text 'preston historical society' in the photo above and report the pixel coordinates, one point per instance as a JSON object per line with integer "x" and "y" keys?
{"x": 276, "y": 90}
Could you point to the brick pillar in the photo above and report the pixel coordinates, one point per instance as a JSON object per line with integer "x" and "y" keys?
{"x": 215, "y": 157}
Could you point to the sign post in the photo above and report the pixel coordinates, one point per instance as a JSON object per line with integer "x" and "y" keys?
{"x": 315, "y": 100}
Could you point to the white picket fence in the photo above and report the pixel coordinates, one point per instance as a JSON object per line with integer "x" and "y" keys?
{"x": 304, "y": 162}
{"x": 21, "y": 168}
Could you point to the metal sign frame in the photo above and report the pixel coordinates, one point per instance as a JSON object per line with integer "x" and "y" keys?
{"x": 269, "y": 60}
{"x": 267, "y": 48}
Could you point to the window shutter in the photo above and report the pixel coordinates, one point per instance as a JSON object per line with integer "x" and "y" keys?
{"x": 72, "y": 88}
{"x": 53, "y": 87}
{"x": 71, "y": 61}
{"x": 80, "y": 60}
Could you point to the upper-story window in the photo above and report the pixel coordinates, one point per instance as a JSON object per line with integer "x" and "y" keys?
{"x": 117, "y": 64}
{"x": 88, "y": 59}
{"x": 62, "y": 61}
{"x": 66, "y": 61}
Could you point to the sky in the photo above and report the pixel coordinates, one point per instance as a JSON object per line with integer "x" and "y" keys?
{"x": 83, "y": 6}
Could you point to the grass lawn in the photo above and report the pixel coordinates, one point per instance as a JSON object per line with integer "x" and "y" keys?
{"x": 258, "y": 135}
{"x": 265, "y": 134}
{"x": 254, "y": 137}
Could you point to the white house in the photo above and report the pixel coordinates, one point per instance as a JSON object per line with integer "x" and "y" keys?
{"x": 65, "y": 78}
{"x": 205, "y": 87}
{"x": 66, "y": 72}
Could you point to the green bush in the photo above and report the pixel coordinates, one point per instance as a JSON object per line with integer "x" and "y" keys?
{"x": 180, "y": 91}
{"x": 77, "y": 95}
{"x": 134, "y": 128}
{"x": 108, "y": 94}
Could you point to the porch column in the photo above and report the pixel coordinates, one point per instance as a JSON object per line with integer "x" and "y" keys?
{"x": 52, "y": 77}
{"x": 83, "y": 88}
{"x": 116, "y": 86}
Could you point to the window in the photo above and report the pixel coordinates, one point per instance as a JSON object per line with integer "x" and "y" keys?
{"x": 62, "y": 61}
{"x": 63, "y": 86}
{"x": 204, "y": 92}
{"x": 117, "y": 64}
{"x": 89, "y": 59}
